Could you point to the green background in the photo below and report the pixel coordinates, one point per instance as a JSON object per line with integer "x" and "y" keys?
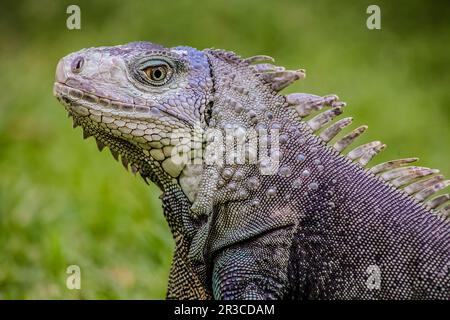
{"x": 62, "y": 202}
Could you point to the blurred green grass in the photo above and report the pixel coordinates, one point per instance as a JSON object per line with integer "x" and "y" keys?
{"x": 63, "y": 203}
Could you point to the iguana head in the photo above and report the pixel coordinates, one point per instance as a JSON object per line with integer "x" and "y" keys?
{"x": 137, "y": 99}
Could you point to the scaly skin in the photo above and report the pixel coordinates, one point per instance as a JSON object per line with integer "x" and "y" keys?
{"x": 314, "y": 227}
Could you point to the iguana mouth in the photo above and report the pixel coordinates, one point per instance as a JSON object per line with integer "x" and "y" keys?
{"x": 89, "y": 104}
{"x": 93, "y": 100}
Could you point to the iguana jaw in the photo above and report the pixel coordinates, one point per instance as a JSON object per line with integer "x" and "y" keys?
{"x": 131, "y": 156}
{"x": 85, "y": 111}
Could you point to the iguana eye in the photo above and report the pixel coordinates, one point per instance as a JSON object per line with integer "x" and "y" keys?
{"x": 156, "y": 71}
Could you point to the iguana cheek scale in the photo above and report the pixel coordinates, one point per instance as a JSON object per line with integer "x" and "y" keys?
{"x": 313, "y": 228}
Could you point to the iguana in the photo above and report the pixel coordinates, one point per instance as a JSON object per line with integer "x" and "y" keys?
{"x": 258, "y": 193}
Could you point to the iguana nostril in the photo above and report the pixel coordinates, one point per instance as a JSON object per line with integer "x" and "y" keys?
{"x": 77, "y": 64}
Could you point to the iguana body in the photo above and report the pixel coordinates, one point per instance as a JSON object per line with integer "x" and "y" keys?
{"x": 293, "y": 217}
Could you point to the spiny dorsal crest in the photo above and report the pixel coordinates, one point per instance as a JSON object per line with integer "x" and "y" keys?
{"x": 421, "y": 183}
